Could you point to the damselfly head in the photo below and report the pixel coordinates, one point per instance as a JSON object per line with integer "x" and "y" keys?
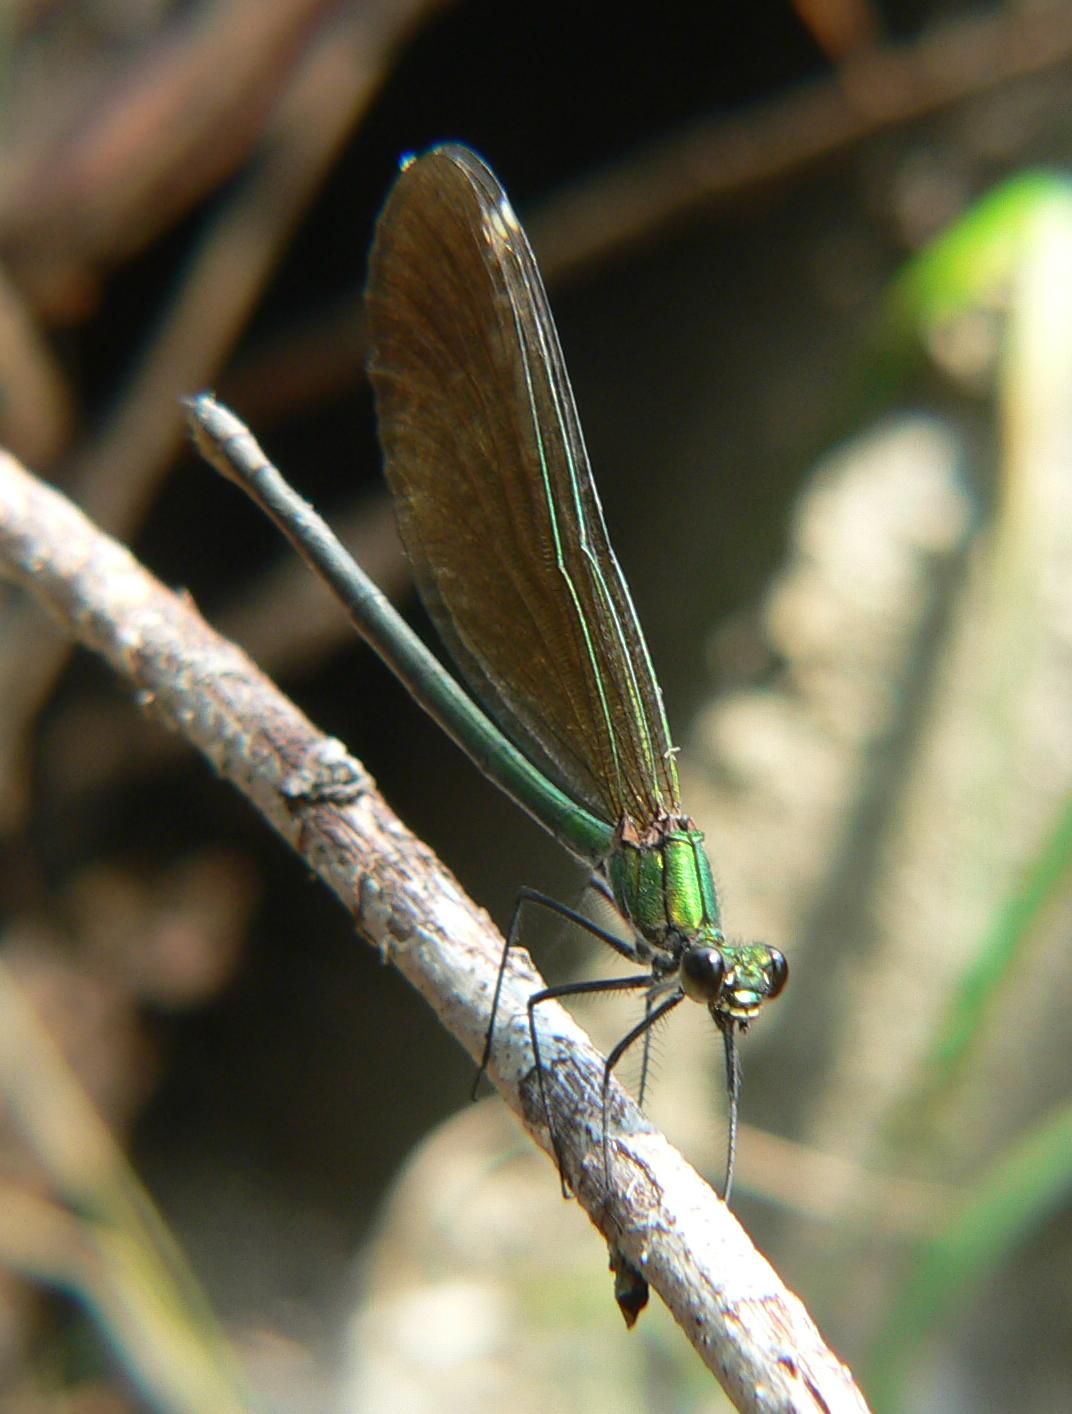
{"x": 754, "y": 974}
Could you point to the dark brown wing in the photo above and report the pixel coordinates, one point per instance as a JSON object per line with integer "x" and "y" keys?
{"x": 496, "y": 503}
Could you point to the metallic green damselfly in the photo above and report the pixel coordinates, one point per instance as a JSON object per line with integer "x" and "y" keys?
{"x": 502, "y": 524}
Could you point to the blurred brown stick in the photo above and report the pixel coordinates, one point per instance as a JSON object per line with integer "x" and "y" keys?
{"x": 117, "y": 474}
{"x": 715, "y": 160}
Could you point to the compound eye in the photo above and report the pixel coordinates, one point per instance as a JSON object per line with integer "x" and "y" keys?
{"x": 778, "y": 972}
{"x": 703, "y": 971}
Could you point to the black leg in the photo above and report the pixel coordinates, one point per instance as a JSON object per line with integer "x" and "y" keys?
{"x": 645, "y": 1057}
{"x": 533, "y": 896}
{"x": 643, "y": 1028}
{"x": 599, "y": 885}
{"x": 575, "y": 989}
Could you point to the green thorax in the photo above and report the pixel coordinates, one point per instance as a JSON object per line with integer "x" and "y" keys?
{"x": 661, "y": 880}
